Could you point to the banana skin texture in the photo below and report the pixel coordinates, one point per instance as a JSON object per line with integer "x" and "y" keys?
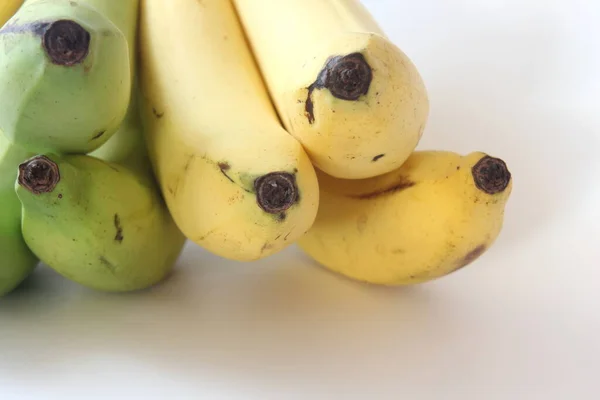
{"x": 102, "y": 224}
{"x": 436, "y": 214}
{"x": 354, "y": 99}
{"x": 65, "y": 73}
{"x": 235, "y": 181}
{"x": 16, "y": 260}
{"x": 7, "y": 9}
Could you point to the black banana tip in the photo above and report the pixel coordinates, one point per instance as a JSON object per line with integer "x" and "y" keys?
{"x": 39, "y": 175}
{"x": 491, "y": 175}
{"x": 66, "y": 42}
{"x": 347, "y": 77}
{"x": 276, "y": 191}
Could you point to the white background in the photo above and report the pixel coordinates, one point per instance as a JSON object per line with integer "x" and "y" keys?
{"x": 517, "y": 79}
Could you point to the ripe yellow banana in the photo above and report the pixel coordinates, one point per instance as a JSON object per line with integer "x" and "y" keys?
{"x": 436, "y": 214}
{"x": 356, "y": 102}
{"x": 235, "y": 181}
{"x": 7, "y": 9}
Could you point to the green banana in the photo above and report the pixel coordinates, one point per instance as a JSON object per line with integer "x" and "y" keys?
{"x": 16, "y": 260}
{"x": 65, "y": 73}
{"x": 127, "y": 147}
{"x": 100, "y": 222}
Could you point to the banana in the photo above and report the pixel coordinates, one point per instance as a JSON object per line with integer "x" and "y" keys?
{"x": 16, "y": 260}
{"x": 127, "y": 147}
{"x": 100, "y": 222}
{"x": 436, "y": 214}
{"x": 353, "y": 99}
{"x": 65, "y": 73}
{"x": 235, "y": 181}
{"x": 7, "y": 9}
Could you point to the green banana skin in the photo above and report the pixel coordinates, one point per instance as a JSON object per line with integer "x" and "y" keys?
{"x": 66, "y": 89}
{"x": 128, "y": 146}
{"x": 104, "y": 224}
{"x": 99, "y": 224}
{"x": 17, "y": 262}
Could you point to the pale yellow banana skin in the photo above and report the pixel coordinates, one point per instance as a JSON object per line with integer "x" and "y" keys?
{"x": 293, "y": 40}
{"x": 212, "y": 130}
{"x": 412, "y": 225}
{"x": 7, "y": 9}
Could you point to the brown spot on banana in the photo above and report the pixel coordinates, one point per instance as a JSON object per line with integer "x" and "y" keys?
{"x": 403, "y": 184}
{"x": 99, "y": 134}
{"x": 471, "y": 256}
{"x": 265, "y": 247}
{"x": 285, "y": 238}
{"x": 224, "y": 167}
{"x": 188, "y": 162}
{"x": 157, "y": 114}
{"x": 107, "y": 264}
{"x": 309, "y": 107}
{"x": 119, "y": 235}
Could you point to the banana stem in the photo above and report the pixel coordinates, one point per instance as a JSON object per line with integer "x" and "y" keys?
{"x": 346, "y": 77}
{"x": 66, "y": 42}
{"x": 491, "y": 175}
{"x": 276, "y": 191}
{"x": 39, "y": 175}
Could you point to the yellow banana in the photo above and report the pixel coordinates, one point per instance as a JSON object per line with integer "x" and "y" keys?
{"x": 356, "y": 102}
{"x": 436, "y": 214}
{"x": 7, "y": 9}
{"x": 235, "y": 181}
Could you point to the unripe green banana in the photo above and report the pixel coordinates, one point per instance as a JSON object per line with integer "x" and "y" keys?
{"x": 16, "y": 260}
{"x": 101, "y": 224}
{"x": 65, "y": 73}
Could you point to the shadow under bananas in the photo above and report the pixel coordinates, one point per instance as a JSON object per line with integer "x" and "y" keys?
{"x": 266, "y": 321}
{"x": 283, "y": 319}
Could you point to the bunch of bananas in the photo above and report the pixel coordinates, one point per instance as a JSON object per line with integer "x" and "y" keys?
{"x": 244, "y": 126}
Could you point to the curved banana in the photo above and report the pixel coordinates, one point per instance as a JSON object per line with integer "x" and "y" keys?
{"x": 7, "y": 9}
{"x": 16, "y": 260}
{"x": 436, "y": 214}
{"x": 235, "y": 181}
{"x": 65, "y": 73}
{"x": 356, "y": 102}
{"x": 99, "y": 223}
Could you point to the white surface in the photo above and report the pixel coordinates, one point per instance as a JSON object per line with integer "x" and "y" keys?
{"x": 516, "y": 79}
